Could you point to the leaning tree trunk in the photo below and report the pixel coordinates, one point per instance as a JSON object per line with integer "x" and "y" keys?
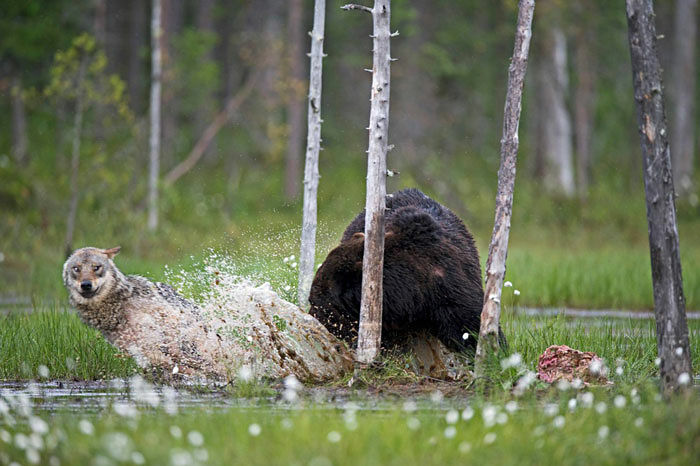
{"x": 313, "y": 146}
{"x": 669, "y": 303}
{"x": 75, "y": 158}
{"x": 370, "y": 332}
{"x": 498, "y": 249}
{"x": 683, "y": 94}
{"x": 154, "y": 143}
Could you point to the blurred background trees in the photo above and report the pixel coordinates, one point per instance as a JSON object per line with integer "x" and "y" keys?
{"x": 579, "y": 150}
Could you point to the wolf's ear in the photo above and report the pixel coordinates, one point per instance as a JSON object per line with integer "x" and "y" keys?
{"x": 110, "y": 253}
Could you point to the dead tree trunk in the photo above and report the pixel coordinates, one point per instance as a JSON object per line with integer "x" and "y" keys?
{"x": 75, "y": 159}
{"x": 669, "y": 303}
{"x": 19, "y": 122}
{"x": 584, "y": 106}
{"x": 370, "y": 331}
{"x": 683, "y": 94}
{"x": 154, "y": 143}
{"x": 498, "y": 249}
{"x": 295, "y": 102}
{"x": 313, "y": 147}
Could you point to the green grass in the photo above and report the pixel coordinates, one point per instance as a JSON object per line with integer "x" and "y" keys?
{"x": 545, "y": 431}
{"x": 70, "y": 350}
{"x": 60, "y": 342}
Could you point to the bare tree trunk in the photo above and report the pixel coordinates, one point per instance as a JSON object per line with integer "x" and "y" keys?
{"x": 370, "y": 331}
{"x": 295, "y": 103}
{"x": 669, "y": 302}
{"x": 498, "y": 249}
{"x": 100, "y": 22}
{"x": 557, "y": 130}
{"x": 313, "y": 147}
{"x": 154, "y": 143}
{"x": 172, "y": 12}
{"x": 683, "y": 94}
{"x": 584, "y": 104}
{"x": 19, "y": 122}
{"x": 75, "y": 159}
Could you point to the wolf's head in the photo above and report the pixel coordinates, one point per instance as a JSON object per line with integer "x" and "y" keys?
{"x": 89, "y": 274}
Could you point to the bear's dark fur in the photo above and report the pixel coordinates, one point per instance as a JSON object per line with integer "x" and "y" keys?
{"x": 432, "y": 276}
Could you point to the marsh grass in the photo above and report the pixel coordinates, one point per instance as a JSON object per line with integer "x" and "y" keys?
{"x": 55, "y": 338}
{"x": 525, "y": 431}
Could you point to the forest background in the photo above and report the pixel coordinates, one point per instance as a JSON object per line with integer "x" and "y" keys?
{"x": 579, "y": 234}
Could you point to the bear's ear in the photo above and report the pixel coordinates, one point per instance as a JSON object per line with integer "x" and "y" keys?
{"x": 358, "y": 235}
{"x": 389, "y": 234}
{"x": 111, "y": 252}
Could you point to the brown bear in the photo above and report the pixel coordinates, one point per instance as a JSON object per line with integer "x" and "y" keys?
{"x": 432, "y": 276}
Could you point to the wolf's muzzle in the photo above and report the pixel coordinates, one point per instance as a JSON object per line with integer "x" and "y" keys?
{"x": 86, "y": 286}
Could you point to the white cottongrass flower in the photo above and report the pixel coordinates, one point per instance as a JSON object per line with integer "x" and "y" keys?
{"x": 465, "y": 336}
{"x": 450, "y": 432}
{"x": 587, "y": 399}
{"x": 287, "y": 288}
{"x": 601, "y": 407}
{"x": 620, "y": 401}
{"x": 603, "y": 432}
{"x": 684, "y": 379}
{"x": 287, "y": 424}
{"x": 137, "y": 458}
{"x": 577, "y": 383}
{"x": 38, "y": 425}
{"x": 245, "y": 373}
{"x": 572, "y": 404}
{"x": 488, "y": 413}
{"x": 436, "y": 396}
{"x": 551, "y": 409}
{"x": 489, "y": 438}
{"x": 516, "y": 292}
{"x": 86, "y": 427}
{"x": 294, "y": 265}
{"x": 619, "y": 370}
{"x": 452, "y": 416}
{"x": 511, "y": 406}
{"x": 413, "y": 423}
{"x": 507, "y": 284}
{"x": 524, "y": 383}
{"x": 176, "y": 432}
{"x": 195, "y": 438}
{"x": 563, "y": 385}
{"x": 33, "y": 456}
{"x": 657, "y": 361}
{"x": 5, "y": 436}
{"x": 43, "y": 371}
{"x": 514, "y": 360}
{"x": 180, "y": 457}
{"x": 334, "y": 436}
{"x": 559, "y": 422}
{"x": 254, "y": 429}
{"x": 125, "y": 409}
{"x": 502, "y": 418}
{"x": 467, "y": 413}
{"x": 539, "y": 431}
{"x": 410, "y": 406}
{"x": 639, "y": 422}
{"x": 464, "y": 447}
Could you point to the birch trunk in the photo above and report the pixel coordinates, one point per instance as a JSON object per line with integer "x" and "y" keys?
{"x": 557, "y": 144}
{"x": 498, "y": 249}
{"x": 19, "y": 122}
{"x": 683, "y": 94}
{"x": 313, "y": 147}
{"x": 669, "y": 303}
{"x": 370, "y": 329}
{"x": 154, "y": 143}
{"x": 584, "y": 106}
{"x": 75, "y": 159}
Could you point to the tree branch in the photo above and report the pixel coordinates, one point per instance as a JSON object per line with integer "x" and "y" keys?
{"x": 212, "y": 130}
{"x": 353, "y": 6}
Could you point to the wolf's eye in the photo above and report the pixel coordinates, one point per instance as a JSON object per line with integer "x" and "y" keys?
{"x": 96, "y": 268}
{"x": 76, "y": 269}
